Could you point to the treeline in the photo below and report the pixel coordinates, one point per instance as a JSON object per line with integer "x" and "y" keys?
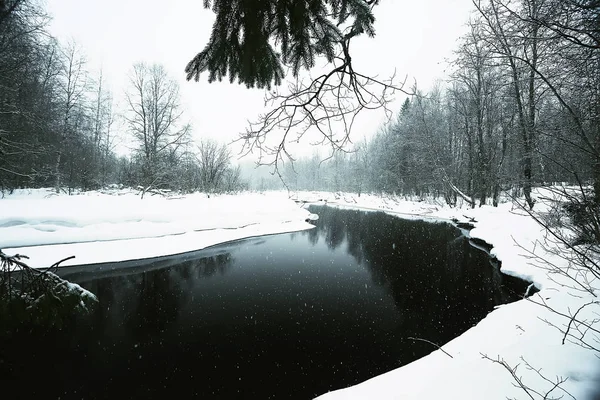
{"x": 521, "y": 108}
{"x": 59, "y": 125}
{"x": 44, "y": 111}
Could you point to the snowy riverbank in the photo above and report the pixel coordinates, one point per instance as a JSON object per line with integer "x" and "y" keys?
{"x": 516, "y": 333}
{"x": 101, "y": 227}
{"x": 113, "y": 226}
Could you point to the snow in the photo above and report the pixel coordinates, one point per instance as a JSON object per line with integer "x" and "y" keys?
{"x": 117, "y": 226}
{"x": 84, "y": 293}
{"x": 101, "y": 227}
{"x": 63, "y": 289}
{"x": 517, "y": 333}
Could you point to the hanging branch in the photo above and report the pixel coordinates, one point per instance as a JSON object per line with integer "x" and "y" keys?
{"x": 328, "y": 105}
{"x": 260, "y": 43}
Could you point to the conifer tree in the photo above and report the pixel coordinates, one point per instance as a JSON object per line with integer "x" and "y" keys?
{"x": 252, "y": 40}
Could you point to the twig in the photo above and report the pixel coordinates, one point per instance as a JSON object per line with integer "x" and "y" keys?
{"x": 574, "y": 318}
{"x": 513, "y": 372}
{"x": 431, "y": 343}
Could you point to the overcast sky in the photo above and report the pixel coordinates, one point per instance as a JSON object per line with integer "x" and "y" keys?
{"x": 414, "y": 37}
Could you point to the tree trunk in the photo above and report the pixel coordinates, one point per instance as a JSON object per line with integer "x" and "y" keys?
{"x": 58, "y": 182}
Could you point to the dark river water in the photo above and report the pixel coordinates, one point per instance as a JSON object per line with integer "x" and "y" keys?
{"x": 287, "y": 316}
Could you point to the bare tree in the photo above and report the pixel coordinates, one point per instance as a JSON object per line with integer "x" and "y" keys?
{"x": 154, "y": 119}
{"x": 213, "y": 160}
{"x": 361, "y": 161}
{"x": 478, "y": 91}
{"x": 73, "y": 86}
{"x": 100, "y": 100}
{"x": 103, "y": 121}
{"x": 520, "y": 46}
{"x": 232, "y": 181}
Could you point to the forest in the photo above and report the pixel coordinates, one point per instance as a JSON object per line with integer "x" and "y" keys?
{"x": 59, "y": 122}
{"x": 520, "y": 107}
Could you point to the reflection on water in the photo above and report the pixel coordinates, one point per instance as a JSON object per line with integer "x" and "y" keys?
{"x": 283, "y": 316}
{"x": 440, "y": 284}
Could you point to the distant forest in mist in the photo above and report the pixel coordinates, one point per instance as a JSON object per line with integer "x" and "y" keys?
{"x": 520, "y": 107}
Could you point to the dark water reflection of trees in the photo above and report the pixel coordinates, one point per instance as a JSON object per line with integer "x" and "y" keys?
{"x": 431, "y": 270}
{"x": 138, "y": 309}
{"x": 158, "y": 293}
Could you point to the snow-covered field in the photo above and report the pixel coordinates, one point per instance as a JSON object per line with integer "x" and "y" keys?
{"x": 100, "y": 227}
{"x": 117, "y": 226}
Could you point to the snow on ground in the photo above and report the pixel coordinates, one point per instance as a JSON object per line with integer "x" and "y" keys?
{"x": 104, "y": 227}
{"x": 516, "y": 333}
{"x": 101, "y": 227}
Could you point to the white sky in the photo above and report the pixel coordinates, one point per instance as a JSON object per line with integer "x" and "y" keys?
{"x": 413, "y": 37}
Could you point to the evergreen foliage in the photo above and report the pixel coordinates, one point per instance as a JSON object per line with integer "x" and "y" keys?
{"x": 252, "y": 40}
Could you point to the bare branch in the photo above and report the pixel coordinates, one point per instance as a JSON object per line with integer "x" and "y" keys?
{"x": 431, "y": 343}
